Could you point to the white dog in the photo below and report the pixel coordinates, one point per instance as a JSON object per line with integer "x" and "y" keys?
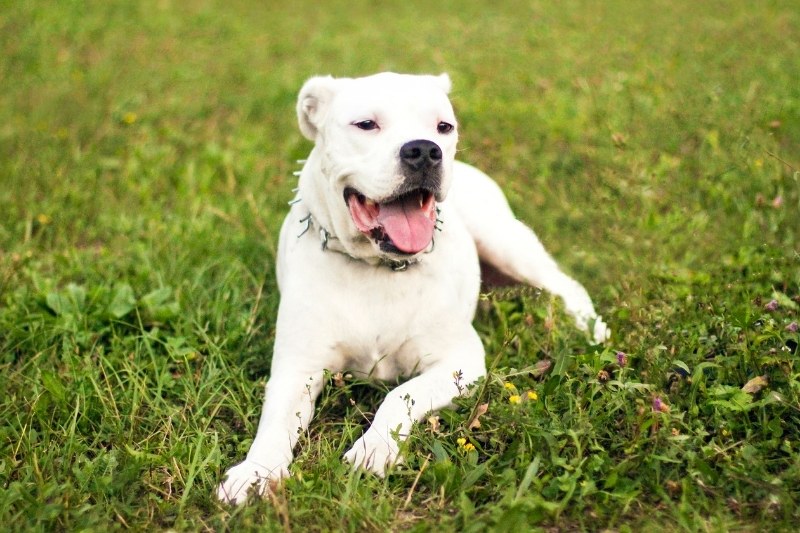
{"x": 378, "y": 267}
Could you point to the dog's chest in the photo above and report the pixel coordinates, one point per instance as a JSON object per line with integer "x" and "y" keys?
{"x": 383, "y": 334}
{"x": 379, "y": 359}
{"x": 369, "y": 319}
{"x": 381, "y": 323}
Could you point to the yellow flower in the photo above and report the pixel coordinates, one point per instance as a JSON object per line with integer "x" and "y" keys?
{"x": 532, "y": 395}
{"x": 43, "y": 219}
{"x": 464, "y": 445}
{"x": 129, "y": 117}
{"x": 514, "y": 399}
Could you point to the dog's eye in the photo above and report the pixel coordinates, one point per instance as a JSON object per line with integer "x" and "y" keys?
{"x": 444, "y": 127}
{"x": 366, "y": 125}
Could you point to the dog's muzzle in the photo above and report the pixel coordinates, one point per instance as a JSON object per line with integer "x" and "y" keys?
{"x": 403, "y": 223}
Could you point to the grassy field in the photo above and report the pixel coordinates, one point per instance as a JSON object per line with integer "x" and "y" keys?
{"x": 146, "y": 158}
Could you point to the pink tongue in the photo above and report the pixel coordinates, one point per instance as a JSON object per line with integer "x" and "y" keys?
{"x": 410, "y": 229}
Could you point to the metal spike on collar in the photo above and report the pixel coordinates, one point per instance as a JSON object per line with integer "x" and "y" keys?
{"x": 400, "y": 266}
{"x": 324, "y": 236}
{"x": 297, "y": 173}
{"x": 307, "y": 221}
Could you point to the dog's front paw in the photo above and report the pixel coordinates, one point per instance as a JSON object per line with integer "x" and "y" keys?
{"x": 600, "y": 331}
{"x": 593, "y": 325}
{"x": 247, "y": 475}
{"x": 374, "y": 452}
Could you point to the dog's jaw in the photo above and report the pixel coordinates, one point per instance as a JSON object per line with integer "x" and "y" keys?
{"x": 402, "y": 224}
{"x": 323, "y": 195}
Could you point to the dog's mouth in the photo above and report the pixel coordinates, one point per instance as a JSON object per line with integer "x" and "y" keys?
{"x": 402, "y": 224}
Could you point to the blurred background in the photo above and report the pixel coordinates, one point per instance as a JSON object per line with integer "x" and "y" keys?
{"x": 635, "y": 131}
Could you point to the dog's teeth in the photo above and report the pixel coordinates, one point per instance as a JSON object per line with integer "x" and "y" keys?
{"x": 421, "y": 199}
{"x": 369, "y": 203}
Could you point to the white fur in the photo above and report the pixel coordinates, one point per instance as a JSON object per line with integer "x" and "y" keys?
{"x": 343, "y": 308}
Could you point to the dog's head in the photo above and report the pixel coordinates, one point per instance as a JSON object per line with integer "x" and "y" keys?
{"x": 386, "y": 145}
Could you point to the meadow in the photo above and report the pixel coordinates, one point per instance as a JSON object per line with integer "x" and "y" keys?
{"x": 146, "y": 159}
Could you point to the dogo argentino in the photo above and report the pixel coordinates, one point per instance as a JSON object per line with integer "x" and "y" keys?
{"x": 379, "y": 267}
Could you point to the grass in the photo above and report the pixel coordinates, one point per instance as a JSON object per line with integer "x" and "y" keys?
{"x": 146, "y": 152}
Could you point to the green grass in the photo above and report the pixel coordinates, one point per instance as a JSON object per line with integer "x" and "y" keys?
{"x": 146, "y": 152}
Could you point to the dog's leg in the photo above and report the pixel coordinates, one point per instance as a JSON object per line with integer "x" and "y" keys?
{"x": 288, "y": 407}
{"x": 513, "y": 248}
{"x": 433, "y": 389}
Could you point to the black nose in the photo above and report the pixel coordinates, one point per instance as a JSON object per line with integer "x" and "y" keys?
{"x": 421, "y": 154}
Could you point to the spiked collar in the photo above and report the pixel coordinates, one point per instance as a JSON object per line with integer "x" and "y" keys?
{"x": 330, "y": 242}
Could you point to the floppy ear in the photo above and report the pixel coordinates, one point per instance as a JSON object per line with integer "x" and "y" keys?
{"x": 312, "y": 104}
{"x": 443, "y": 81}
